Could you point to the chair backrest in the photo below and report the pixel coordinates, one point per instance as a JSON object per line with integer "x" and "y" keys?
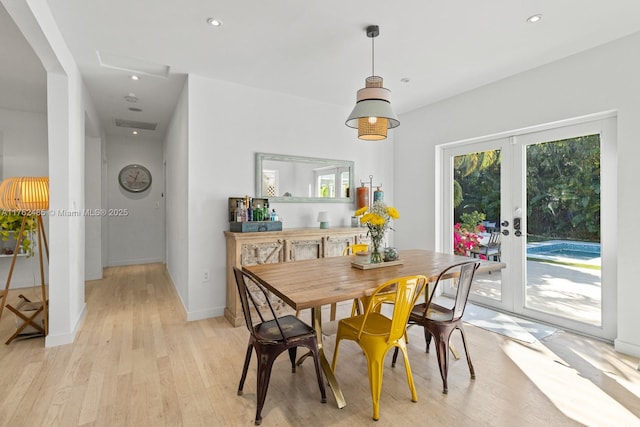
{"x": 353, "y": 249}
{"x": 494, "y": 238}
{"x": 254, "y": 298}
{"x": 464, "y": 281}
{"x": 403, "y": 293}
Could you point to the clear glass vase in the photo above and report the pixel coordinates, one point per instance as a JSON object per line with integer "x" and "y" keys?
{"x": 376, "y": 256}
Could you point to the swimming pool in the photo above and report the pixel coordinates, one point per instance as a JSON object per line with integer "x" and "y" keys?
{"x": 565, "y": 252}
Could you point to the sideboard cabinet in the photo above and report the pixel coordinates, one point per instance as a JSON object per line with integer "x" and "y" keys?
{"x": 281, "y": 246}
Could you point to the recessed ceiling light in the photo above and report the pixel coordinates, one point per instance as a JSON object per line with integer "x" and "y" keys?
{"x": 131, "y": 97}
{"x": 134, "y": 77}
{"x": 135, "y": 132}
{"x": 214, "y": 22}
{"x": 534, "y": 18}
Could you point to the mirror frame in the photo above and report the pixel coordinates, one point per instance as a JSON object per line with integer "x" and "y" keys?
{"x": 260, "y": 157}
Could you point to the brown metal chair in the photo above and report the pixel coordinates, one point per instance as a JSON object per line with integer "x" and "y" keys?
{"x": 270, "y": 336}
{"x": 439, "y": 322}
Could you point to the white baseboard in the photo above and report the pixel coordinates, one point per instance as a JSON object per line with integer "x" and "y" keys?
{"x": 205, "y": 314}
{"x": 68, "y": 338}
{"x": 627, "y": 348}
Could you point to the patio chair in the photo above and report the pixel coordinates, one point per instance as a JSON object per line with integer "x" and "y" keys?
{"x": 491, "y": 250}
{"x": 270, "y": 336}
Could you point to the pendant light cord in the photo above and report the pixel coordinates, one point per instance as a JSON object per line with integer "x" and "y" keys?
{"x": 373, "y": 73}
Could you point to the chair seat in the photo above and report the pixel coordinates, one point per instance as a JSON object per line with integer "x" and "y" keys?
{"x": 437, "y": 313}
{"x": 486, "y": 250}
{"x": 377, "y": 324}
{"x": 292, "y": 328}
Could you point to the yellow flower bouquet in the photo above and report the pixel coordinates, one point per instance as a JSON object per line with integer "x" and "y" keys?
{"x": 377, "y": 218}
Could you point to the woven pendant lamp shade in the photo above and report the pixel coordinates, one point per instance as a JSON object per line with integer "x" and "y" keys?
{"x": 27, "y": 193}
{"x": 372, "y": 115}
{"x": 372, "y": 131}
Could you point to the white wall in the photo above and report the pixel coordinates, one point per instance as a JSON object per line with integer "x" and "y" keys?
{"x": 24, "y": 153}
{"x": 93, "y": 200}
{"x": 94, "y": 190}
{"x": 176, "y": 146}
{"x": 24, "y": 148}
{"x": 228, "y": 124}
{"x": 602, "y": 79}
{"x": 136, "y": 220}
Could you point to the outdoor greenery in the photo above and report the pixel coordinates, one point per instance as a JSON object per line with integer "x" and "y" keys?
{"x": 477, "y": 184}
{"x": 470, "y": 221}
{"x": 563, "y": 188}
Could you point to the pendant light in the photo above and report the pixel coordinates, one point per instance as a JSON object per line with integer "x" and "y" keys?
{"x": 372, "y": 115}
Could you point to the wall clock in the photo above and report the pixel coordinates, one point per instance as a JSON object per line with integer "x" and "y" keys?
{"x": 134, "y": 178}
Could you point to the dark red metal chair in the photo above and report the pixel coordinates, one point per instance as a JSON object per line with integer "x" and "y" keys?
{"x": 270, "y": 336}
{"x": 439, "y": 322}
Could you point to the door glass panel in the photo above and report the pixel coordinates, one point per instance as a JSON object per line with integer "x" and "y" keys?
{"x": 563, "y": 268}
{"x": 476, "y": 211}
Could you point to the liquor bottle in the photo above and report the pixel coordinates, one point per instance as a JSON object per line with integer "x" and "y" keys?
{"x": 258, "y": 213}
{"x": 378, "y": 195}
{"x": 245, "y": 212}
{"x": 239, "y": 216}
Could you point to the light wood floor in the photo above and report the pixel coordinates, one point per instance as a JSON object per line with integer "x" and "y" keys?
{"x": 137, "y": 362}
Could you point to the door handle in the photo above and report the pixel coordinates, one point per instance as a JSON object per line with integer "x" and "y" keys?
{"x": 504, "y": 223}
{"x": 505, "y": 232}
{"x": 516, "y": 223}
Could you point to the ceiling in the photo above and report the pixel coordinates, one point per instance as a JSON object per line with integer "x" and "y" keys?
{"x": 311, "y": 49}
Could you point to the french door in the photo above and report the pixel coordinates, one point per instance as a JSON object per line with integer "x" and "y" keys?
{"x": 551, "y": 194}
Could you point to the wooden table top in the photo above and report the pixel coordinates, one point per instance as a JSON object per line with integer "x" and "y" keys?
{"x": 321, "y": 281}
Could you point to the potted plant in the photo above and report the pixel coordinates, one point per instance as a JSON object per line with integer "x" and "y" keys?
{"x": 466, "y": 234}
{"x": 10, "y": 223}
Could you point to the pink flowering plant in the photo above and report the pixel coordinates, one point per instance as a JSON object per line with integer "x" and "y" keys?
{"x": 466, "y": 234}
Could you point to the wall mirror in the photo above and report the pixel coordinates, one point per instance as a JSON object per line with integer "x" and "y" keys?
{"x": 283, "y": 178}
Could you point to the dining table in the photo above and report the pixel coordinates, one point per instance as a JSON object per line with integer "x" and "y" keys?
{"x": 323, "y": 281}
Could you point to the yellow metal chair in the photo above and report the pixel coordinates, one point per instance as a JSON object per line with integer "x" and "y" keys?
{"x": 353, "y": 249}
{"x": 377, "y": 334}
{"x": 359, "y": 304}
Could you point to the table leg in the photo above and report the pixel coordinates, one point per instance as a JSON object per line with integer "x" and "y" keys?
{"x": 316, "y": 316}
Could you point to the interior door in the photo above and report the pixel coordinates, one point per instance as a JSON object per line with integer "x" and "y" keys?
{"x": 556, "y": 197}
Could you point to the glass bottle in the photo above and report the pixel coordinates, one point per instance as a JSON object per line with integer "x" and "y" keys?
{"x": 239, "y": 216}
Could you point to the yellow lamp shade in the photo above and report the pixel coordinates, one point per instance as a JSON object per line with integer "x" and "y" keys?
{"x": 27, "y": 193}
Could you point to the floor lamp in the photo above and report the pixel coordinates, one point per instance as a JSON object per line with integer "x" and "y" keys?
{"x": 30, "y": 197}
